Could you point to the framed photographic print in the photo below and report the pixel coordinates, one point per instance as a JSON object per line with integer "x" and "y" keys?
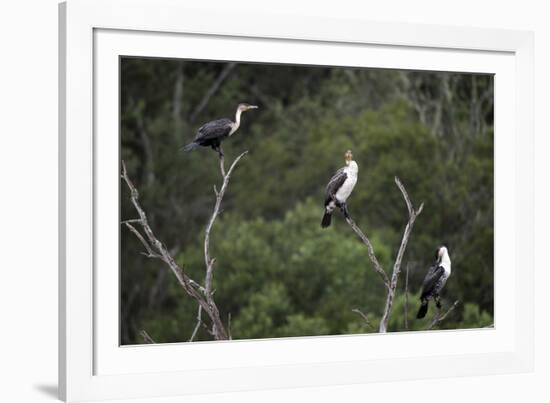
{"x": 245, "y": 208}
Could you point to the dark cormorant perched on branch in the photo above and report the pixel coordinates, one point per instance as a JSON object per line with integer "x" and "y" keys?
{"x": 339, "y": 188}
{"x": 213, "y": 133}
{"x": 435, "y": 281}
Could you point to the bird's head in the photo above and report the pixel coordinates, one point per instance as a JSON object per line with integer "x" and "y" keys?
{"x": 348, "y": 157}
{"x": 246, "y": 107}
{"x": 350, "y": 163}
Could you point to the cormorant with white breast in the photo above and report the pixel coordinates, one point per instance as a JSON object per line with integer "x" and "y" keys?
{"x": 213, "y": 133}
{"x": 435, "y": 281}
{"x": 339, "y": 189}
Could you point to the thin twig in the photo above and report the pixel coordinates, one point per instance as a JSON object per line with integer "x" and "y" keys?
{"x": 438, "y": 319}
{"x": 146, "y": 337}
{"x": 365, "y": 318}
{"x": 132, "y": 221}
{"x": 150, "y": 252}
{"x": 199, "y": 322}
{"x": 222, "y": 169}
{"x": 377, "y": 267}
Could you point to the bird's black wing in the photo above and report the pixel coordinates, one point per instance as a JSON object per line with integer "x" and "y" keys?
{"x": 335, "y": 183}
{"x": 434, "y": 275}
{"x": 214, "y": 130}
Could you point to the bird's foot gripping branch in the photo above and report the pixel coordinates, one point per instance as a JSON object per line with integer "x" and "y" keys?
{"x": 390, "y": 282}
{"x": 155, "y": 249}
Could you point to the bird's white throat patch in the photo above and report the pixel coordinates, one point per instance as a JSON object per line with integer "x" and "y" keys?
{"x": 237, "y": 122}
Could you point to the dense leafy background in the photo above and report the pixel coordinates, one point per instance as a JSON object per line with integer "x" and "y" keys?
{"x": 278, "y": 273}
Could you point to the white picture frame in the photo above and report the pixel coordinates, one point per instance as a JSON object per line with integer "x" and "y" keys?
{"x": 94, "y": 33}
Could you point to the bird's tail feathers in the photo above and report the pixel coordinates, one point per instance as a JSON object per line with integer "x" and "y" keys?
{"x": 326, "y": 219}
{"x": 190, "y": 146}
{"x": 423, "y": 310}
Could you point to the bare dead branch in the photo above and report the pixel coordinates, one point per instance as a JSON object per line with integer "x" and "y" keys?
{"x": 377, "y": 267}
{"x": 222, "y": 170}
{"x": 199, "y": 323}
{"x": 208, "y": 260}
{"x": 160, "y": 251}
{"x": 363, "y": 315}
{"x": 438, "y": 319}
{"x": 405, "y": 196}
{"x": 132, "y": 221}
{"x": 390, "y": 284}
{"x": 146, "y": 337}
{"x": 397, "y": 265}
{"x": 148, "y": 248}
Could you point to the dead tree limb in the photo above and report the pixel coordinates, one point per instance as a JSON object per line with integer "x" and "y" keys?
{"x": 438, "y": 319}
{"x": 390, "y": 283}
{"x": 363, "y": 315}
{"x": 146, "y": 337}
{"x": 208, "y": 260}
{"x": 377, "y": 267}
{"x": 390, "y": 296}
{"x": 156, "y": 249}
{"x": 198, "y": 325}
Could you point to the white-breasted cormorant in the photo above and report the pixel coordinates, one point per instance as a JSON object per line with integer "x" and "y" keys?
{"x": 435, "y": 280}
{"x": 339, "y": 188}
{"x": 213, "y": 133}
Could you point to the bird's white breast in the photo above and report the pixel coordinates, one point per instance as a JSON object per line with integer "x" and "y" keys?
{"x": 345, "y": 190}
{"x": 446, "y": 263}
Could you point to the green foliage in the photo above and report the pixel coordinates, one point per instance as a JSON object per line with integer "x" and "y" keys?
{"x": 278, "y": 273}
{"x": 473, "y": 317}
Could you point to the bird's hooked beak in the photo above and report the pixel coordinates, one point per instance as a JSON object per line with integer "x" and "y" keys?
{"x": 252, "y": 107}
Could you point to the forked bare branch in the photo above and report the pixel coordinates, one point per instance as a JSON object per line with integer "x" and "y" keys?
{"x": 390, "y": 296}
{"x": 390, "y": 283}
{"x": 156, "y": 249}
{"x": 208, "y": 260}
